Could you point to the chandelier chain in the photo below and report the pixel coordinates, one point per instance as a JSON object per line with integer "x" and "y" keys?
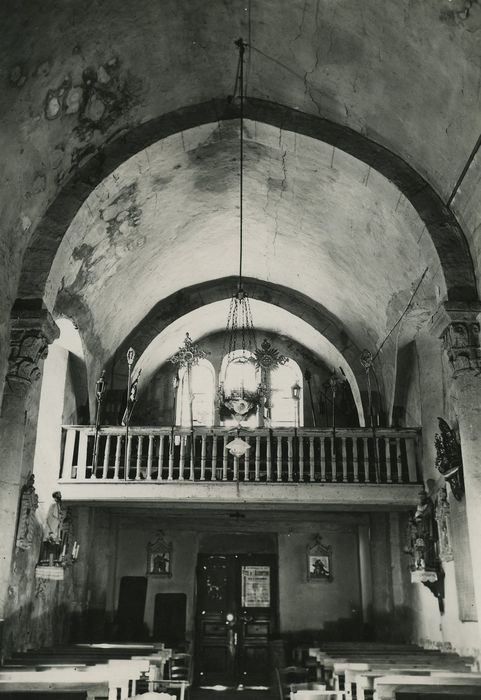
{"x": 240, "y": 43}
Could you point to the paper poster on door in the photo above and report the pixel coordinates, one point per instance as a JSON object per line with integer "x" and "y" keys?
{"x": 256, "y": 589}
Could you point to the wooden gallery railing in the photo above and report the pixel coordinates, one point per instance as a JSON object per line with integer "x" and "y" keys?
{"x": 356, "y": 455}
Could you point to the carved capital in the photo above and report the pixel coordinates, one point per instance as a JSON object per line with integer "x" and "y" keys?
{"x": 457, "y": 325}
{"x": 32, "y": 330}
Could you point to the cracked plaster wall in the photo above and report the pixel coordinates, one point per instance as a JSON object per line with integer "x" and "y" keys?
{"x": 75, "y": 79}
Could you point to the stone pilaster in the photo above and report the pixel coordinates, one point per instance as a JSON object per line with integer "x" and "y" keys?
{"x": 32, "y": 330}
{"x": 457, "y": 325}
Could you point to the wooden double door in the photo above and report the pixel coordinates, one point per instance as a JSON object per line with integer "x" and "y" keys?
{"x": 236, "y": 617}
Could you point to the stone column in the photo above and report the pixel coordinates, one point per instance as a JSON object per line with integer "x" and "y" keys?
{"x": 456, "y": 324}
{"x": 32, "y": 329}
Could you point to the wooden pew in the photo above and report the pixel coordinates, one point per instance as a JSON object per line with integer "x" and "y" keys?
{"x": 363, "y": 681}
{"x": 89, "y": 655}
{"x": 386, "y": 687}
{"x": 118, "y": 676}
{"x": 327, "y": 663}
{"x": 345, "y": 673}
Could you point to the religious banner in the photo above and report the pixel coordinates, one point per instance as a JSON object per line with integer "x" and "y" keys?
{"x": 256, "y": 587}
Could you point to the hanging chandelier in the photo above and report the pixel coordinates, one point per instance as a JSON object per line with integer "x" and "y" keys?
{"x": 241, "y": 398}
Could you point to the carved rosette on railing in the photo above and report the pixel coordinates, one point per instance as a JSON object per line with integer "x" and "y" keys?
{"x": 449, "y": 461}
{"x": 32, "y": 330}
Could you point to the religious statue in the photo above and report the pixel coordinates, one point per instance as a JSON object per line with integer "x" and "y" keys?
{"x": 26, "y": 518}
{"x": 57, "y": 532}
{"x": 422, "y": 535}
{"x": 443, "y": 520}
{"x": 422, "y": 546}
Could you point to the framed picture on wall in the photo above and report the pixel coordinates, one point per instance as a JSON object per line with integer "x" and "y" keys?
{"x": 319, "y": 561}
{"x": 159, "y": 556}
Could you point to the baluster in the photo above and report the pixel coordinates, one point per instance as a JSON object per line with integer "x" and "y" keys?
{"x": 202, "y": 458}
{"x": 268, "y": 458}
{"x": 311, "y": 458}
{"x": 160, "y": 461}
{"x": 355, "y": 459}
{"x": 333, "y": 459}
{"x": 399, "y": 468}
{"x": 236, "y": 468}
{"x": 118, "y": 448}
{"x": 213, "y": 471}
{"x": 150, "y": 453}
{"x": 192, "y": 452}
{"x": 224, "y": 460}
{"x": 106, "y": 457}
{"x": 289, "y": 458}
{"x": 344, "y": 459}
{"x": 127, "y": 459}
{"x": 246, "y": 460}
{"x": 182, "y": 457}
{"x": 140, "y": 440}
{"x": 258, "y": 458}
{"x": 387, "y": 452}
{"x": 366, "y": 459}
{"x": 68, "y": 467}
{"x": 300, "y": 442}
{"x": 410, "y": 443}
{"x": 170, "y": 475}
{"x": 93, "y": 472}
{"x": 322, "y": 455}
{"x": 82, "y": 455}
{"x": 279, "y": 458}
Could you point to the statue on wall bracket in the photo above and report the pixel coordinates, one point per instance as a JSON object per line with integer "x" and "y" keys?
{"x": 26, "y": 517}
{"x": 422, "y": 546}
{"x": 449, "y": 461}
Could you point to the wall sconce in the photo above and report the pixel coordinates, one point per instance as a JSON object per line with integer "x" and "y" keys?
{"x": 296, "y": 391}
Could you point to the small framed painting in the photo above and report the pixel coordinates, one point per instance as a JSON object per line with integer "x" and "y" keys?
{"x": 319, "y": 561}
{"x": 159, "y": 556}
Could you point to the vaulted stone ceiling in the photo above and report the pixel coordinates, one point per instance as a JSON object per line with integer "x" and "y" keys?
{"x": 81, "y": 76}
{"x": 315, "y": 220}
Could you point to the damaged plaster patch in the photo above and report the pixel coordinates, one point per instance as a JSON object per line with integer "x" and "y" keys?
{"x": 39, "y": 184}
{"x": 462, "y": 12}
{"x": 17, "y": 76}
{"x": 26, "y": 222}
{"x": 123, "y": 213}
{"x": 102, "y": 96}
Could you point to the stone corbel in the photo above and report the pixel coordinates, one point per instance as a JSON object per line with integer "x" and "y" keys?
{"x": 32, "y": 331}
{"x": 457, "y": 325}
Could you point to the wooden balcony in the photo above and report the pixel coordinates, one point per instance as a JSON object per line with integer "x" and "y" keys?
{"x": 299, "y": 465}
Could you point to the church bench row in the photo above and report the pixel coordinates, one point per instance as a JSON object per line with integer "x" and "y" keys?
{"x": 455, "y": 685}
{"x": 328, "y": 666}
{"x": 360, "y": 682}
{"x": 117, "y": 676}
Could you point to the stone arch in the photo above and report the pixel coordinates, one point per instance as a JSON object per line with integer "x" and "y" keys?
{"x": 181, "y": 302}
{"x": 445, "y": 231}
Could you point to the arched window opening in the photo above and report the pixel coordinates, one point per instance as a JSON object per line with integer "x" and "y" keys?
{"x": 201, "y": 391}
{"x": 286, "y": 395}
{"x": 239, "y": 375}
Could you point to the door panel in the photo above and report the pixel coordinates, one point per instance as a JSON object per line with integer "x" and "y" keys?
{"x": 236, "y": 615}
{"x": 130, "y": 611}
